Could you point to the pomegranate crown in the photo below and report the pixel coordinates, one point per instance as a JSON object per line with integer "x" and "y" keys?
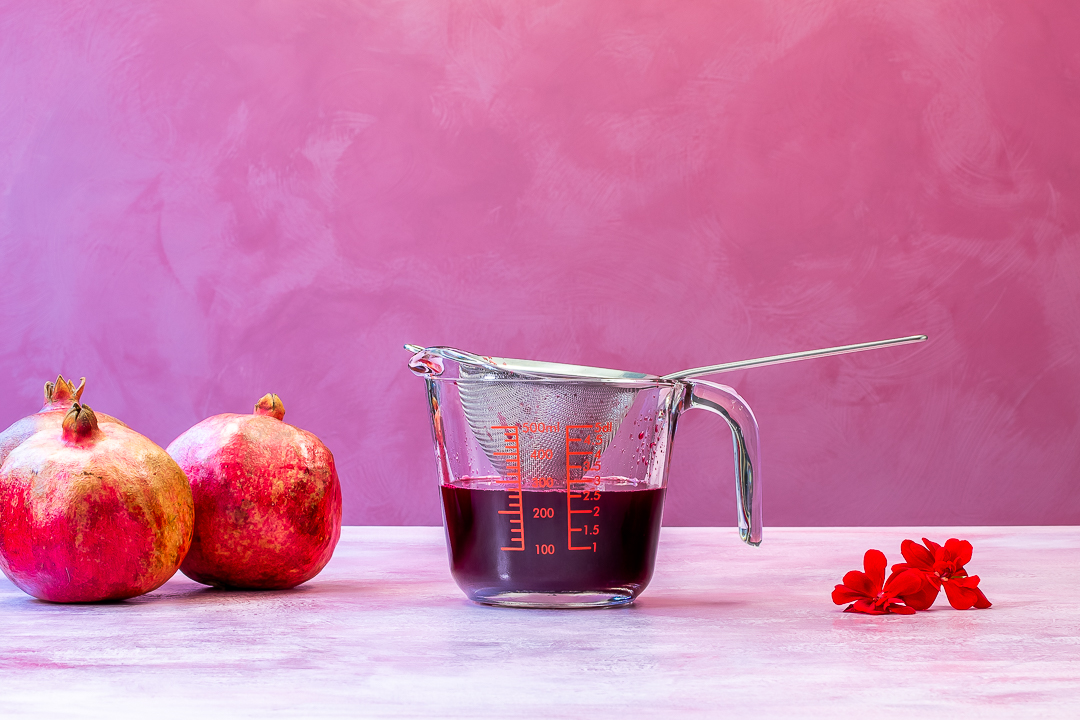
{"x": 270, "y": 404}
{"x": 80, "y": 424}
{"x": 62, "y": 393}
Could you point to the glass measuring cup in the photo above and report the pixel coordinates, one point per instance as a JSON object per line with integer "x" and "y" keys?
{"x": 550, "y": 502}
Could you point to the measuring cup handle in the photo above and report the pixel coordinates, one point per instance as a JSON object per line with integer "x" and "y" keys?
{"x": 726, "y": 403}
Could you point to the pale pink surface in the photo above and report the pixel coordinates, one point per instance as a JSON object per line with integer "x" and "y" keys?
{"x": 724, "y": 630}
{"x": 201, "y": 202}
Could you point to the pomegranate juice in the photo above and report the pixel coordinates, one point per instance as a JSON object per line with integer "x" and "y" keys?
{"x": 547, "y": 547}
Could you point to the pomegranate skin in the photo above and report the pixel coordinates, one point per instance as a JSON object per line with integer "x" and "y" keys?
{"x": 59, "y": 397}
{"x": 99, "y": 513}
{"x": 267, "y": 501}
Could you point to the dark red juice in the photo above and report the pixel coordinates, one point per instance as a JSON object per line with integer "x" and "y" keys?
{"x": 598, "y": 539}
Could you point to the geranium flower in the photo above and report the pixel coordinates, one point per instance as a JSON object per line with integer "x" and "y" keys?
{"x": 941, "y": 567}
{"x": 869, "y": 593}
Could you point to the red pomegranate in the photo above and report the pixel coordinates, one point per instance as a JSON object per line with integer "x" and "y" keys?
{"x": 267, "y": 500}
{"x": 59, "y": 397}
{"x": 92, "y": 512}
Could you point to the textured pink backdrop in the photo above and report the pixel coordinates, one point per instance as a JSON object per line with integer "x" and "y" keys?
{"x": 203, "y": 201}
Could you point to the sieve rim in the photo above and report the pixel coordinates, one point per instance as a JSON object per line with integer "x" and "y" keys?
{"x": 603, "y": 382}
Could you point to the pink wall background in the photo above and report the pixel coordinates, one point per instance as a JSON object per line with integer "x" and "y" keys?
{"x": 204, "y": 201}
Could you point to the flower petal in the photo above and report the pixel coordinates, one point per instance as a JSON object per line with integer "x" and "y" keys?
{"x": 972, "y": 583}
{"x": 916, "y": 555}
{"x": 924, "y": 597}
{"x": 843, "y": 594}
{"x": 959, "y": 551}
{"x": 960, "y": 597}
{"x": 932, "y": 546}
{"x": 859, "y": 583}
{"x": 864, "y": 606}
{"x": 904, "y": 583}
{"x": 901, "y": 610}
{"x": 875, "y": 563}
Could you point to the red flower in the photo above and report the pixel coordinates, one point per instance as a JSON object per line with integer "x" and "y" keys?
{"x": 941, "y": 567}
{"x": 869, "y": 593}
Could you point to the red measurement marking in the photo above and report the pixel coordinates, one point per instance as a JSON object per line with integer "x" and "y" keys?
{"x": 585, "y": 464}
{"x": 516, "y": 509}
{"x": 539, "y": 427}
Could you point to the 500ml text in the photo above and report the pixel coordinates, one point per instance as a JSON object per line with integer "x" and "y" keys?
{"x": 540, "y": 427}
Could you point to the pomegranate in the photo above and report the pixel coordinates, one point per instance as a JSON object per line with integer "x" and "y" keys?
{"x": 92, "y": 512}
{"x": 59, "y": 397}
{"x": 267, "y": 500}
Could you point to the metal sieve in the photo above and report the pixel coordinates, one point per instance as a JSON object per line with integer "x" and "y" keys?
{"x": 493, "y": 400}
{"x": 502, "y": 393}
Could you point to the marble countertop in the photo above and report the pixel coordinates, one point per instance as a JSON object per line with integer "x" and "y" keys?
{"x": 724, "y": 630}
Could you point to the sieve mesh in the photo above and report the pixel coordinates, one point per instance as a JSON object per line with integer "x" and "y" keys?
{"x": 541, "y": 411}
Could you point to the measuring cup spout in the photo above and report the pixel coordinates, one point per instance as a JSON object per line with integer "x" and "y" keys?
{"x": 423, "y": 363}
{"x": 726, "y": 403}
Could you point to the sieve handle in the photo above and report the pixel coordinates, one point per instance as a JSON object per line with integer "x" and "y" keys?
{"x": 726, "y": 403}
{"x": 791, "y": 357}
